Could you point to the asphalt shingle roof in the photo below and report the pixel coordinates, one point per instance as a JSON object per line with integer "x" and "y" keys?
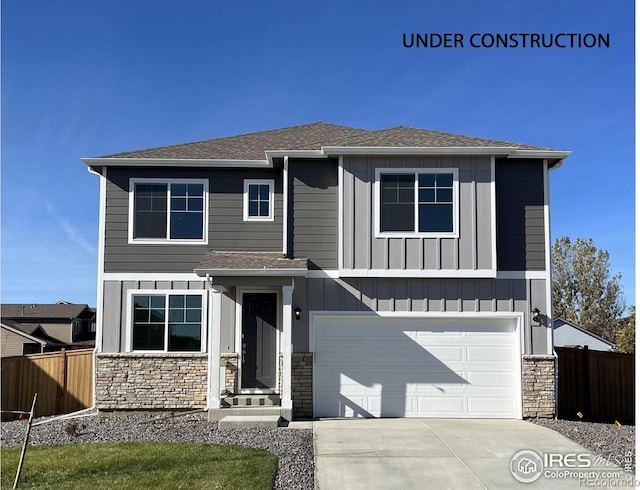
{"x": 25, "y": 311}
{"x": 258, "y": 261}
{"x": 313, "y": 136}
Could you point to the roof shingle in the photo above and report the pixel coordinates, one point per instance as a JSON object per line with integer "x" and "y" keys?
{"x": 313, "y": 136}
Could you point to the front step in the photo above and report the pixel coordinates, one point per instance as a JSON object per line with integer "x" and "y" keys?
{"x": 220, "y": 413}
{"x": 248, "y": 422}
{"x": 234, "y": 401}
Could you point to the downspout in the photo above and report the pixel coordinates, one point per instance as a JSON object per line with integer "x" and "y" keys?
{"x": 285, "y": 207}
{"x": 100, "y": 286}
{"x": 549, "y": 294}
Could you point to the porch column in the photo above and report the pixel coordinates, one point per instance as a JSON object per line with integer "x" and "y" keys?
{"x": 285, "y": 395}
{"x": 215, "y": 321}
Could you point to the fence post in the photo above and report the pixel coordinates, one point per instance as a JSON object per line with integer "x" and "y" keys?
{"x": 586, "y": 383}
{"x": 63, "y": 381}
{"x": 26, "y": 442}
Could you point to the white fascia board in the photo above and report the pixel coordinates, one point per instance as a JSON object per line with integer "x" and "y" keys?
{"x": 421, "y": 273}
{"x": 251, "y": 272}
{"x": 417, "y": 150}
{"x": 172, "y": 162}
{"x": 271, "y": 154}
{"x": 559, "y": 154}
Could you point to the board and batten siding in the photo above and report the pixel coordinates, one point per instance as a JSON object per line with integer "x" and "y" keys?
{"x": 226, "y": 228}
{"x": 471, "y": 250}
{"x": 313, "y": 212}
{"x": 521, "y": 238}
{"x": 414, "y": 295}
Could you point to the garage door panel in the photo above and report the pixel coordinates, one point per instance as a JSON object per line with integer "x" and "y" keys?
{"x": 415, "y": 367}
{"x": 491, "y": 379}
{"x": 485, "y": 407}
{"x": 439, "y": 406}
{"x": 490, "y": 353}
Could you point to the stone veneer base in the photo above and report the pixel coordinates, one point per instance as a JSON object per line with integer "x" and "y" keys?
{"x": 132, "y": 381}
{"x": 538, "y": 386}
{"x": 151, "y": 382}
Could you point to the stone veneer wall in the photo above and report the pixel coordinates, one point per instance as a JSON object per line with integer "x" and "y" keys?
{"x": 231, "y": 371}
{"x": 302, "y": 384}
{"x": 538, "y": 386}
{"x": 129, "y": 381}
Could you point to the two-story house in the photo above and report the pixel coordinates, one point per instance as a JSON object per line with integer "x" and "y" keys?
{"x": 337, "y": 271}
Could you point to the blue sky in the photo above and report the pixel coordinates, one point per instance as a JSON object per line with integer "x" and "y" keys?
{"x": 82, "y": 79}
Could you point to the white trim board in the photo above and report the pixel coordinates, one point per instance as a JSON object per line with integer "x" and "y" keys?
{"x": 239, "y": 298}
{"x": 166, "y": 292}
{"x": 245, "y": 199}
{"x": 168, "y": 241}
{"x": 421, "y": 273}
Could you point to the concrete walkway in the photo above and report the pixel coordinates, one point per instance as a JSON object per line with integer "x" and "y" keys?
{"x": 437, "y": 453}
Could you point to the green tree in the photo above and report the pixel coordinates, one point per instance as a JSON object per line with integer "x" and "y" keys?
{"x": 584, "y": 291}
{"x": 626, "y": 334}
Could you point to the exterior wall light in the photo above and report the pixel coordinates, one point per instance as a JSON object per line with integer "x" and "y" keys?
{"x": 297, "y": 312}
{"x": 536, "y": 315}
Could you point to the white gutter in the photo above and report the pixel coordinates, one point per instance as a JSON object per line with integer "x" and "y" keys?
{"x": 172, "y": 162}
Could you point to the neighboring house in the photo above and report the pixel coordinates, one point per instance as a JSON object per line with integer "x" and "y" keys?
{"x": 567, "y": 334}
{"x": 333, "y": 271}
{"x": 69, "y": 324}
{"x": 18, "y": 339}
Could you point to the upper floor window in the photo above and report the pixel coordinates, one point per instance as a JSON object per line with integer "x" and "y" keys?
{"x": 167, "y": 322}
{"x": 162, "y": 211}
{"x": 258, "y": 200}
{"x": 417, "y": 202}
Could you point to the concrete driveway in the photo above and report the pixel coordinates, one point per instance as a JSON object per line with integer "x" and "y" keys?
{"x": 446, "y": 453}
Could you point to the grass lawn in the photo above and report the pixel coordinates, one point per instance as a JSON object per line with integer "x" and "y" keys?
{"x": 140, "y": 465}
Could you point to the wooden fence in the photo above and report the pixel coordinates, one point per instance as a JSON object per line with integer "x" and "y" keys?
{"x": 63, "y": 381}
{"x": 598, "y": 385}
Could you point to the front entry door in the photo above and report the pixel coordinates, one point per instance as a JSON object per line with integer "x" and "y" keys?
{"x": 259, "y": 326}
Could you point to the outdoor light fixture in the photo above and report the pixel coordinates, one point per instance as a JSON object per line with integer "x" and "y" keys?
{"x": 297, "y": 312}
{"x": 536, "y": 315}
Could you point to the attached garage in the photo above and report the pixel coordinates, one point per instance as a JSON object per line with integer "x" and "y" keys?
{"x": 367, "y": 365}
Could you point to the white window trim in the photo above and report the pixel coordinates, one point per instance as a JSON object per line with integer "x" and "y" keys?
{"x": 164, "y": 241}
{"x": 165, "y": 292}
{"x": 245, "y": 199}
{"x": 417, "y": 234}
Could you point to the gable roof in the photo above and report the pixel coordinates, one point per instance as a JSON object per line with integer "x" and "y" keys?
{"x": 560, "y": 322}
{"x": 33, "y": 332}
{"x": 36, "y": 311}
{"x": 316, "y": 136}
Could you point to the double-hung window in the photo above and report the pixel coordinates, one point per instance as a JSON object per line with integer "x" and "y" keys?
{"x": 258, "y": 200}
{"x": 417, "y": 202}
{"x": 167, "y": 322}
{"x": 174, "y": 211}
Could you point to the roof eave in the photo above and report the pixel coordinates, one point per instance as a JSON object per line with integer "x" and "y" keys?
{"x": 172, "y": 162}
{"x": 265, "y": 272}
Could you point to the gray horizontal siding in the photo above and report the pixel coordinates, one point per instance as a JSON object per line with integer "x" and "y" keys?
{"x": 227, "y": 230}
{"x": 520, "y": 215}
{"x": 313, "y": 208}
{"x": 471, "y": 250}
{"x": 423, "y": 295}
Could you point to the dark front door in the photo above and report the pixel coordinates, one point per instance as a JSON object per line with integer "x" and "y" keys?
{"x": 259, "y": 325}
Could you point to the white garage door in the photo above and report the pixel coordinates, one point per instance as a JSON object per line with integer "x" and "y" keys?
{"x": 374, "y": 366}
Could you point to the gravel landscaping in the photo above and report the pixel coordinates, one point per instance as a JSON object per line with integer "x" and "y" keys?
{"x": 293, "y": 447}
{"x": 615, "y": 444}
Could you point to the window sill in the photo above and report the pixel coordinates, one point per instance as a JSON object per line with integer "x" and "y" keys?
{"x": 168, "y": 242}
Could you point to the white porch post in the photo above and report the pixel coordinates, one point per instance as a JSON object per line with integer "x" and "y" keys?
{"x": 215, "y": 321}
{"x": 285, "y": 395}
